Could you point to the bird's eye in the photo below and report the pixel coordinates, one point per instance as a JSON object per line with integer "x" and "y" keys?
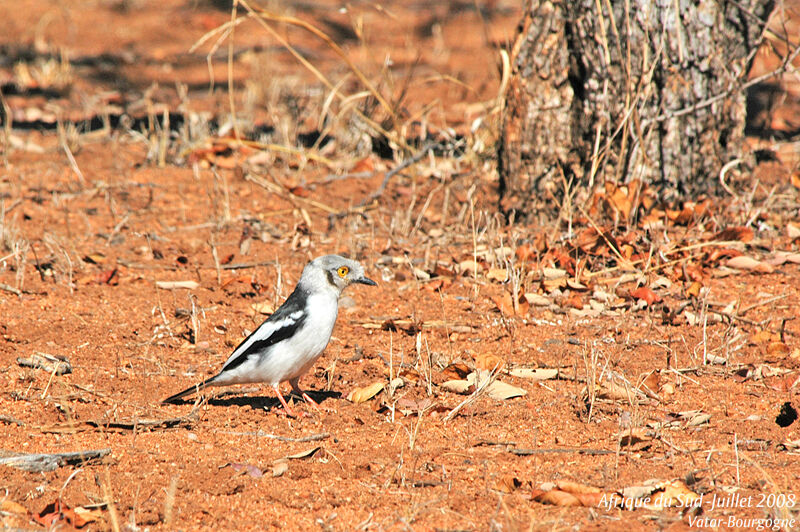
{"x": 343, "y": 271}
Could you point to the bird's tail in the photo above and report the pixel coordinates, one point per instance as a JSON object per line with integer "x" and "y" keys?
{"x": 189, "y": 391}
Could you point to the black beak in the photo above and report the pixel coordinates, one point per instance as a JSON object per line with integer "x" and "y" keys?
{"x": 364, "y": 280}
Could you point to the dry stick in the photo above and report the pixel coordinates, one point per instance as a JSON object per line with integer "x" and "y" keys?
{"x": 281, "y": 191}
{"x": 9, "y": 288}
{"x": 231, "y": 99}
{"x": 261, "y": 434}
{"x": 277, "y": 147}
{"x": 72, "y": 162}
{"x": 403, "y": 165}
{"x": 297, "y": 55}
{"x": 335, "y": 47}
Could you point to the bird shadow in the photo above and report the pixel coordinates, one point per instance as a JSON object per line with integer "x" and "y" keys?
{"x": 268, "y": 402}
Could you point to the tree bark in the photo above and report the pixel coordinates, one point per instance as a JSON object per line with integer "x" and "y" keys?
{"x": 611, "y": 90}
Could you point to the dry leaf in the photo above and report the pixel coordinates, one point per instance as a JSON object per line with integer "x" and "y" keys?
{"x": 645, "y": 294}
{"x": 12, "y": 507}
{"x": 172, "y": 285}
{"x": 501, "y": 391}
{"x": 456, "y": 371}
{"x": 263, "y": 308}
{"x": 359, "y": 395}
{"x": 250, "y": 469}
{"x": 635, "y": 435}
{"x": 507, "y": 484}
{"x": 764, "y": 337}
{"x": 742, "y": 234}
{"x": 537, "y": 300}
{"x": 539, "y": 374}
{"x": 56, "y": 512}
{"x": 576, "y": 488}
{"x": 497, "y": 274}
{"x": 308, "y": 453}
{"x": 458, "y": 386}
{"x": 793, "y": 230}
{"x": 279, "y": 467}
{"x": 554, "y": 273}
{"x": 489, "y": 362}
{"x": 469, "y": 267}
{"x": 744, "y": 262}
{"x": 694, "y": 290}
{"x": 782, "y": 257}
{"x": 555, "y": 497}
{"x": 778, "y": 349}
{"x": 673, "y": 493}
{"x": 95, "y": 258}
{"x": 508, "y": 307}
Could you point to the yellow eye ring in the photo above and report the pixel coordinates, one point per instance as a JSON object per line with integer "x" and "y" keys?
{"x": 343, "y": 271}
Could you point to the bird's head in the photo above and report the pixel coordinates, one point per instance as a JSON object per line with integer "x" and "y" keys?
{"x": 338, "y": 271}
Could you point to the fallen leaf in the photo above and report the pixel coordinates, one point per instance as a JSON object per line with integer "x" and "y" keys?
{"x": 778, "y": 349}
{"x": 250, "y": 469}
{"x": 694, "y": 290}
{"x": 108, "y": 277}
{"x": 782, "y": 257}
{"x": 57, "y": 511}
{"x": 12, "y": 507}
{"x": 263, "y": 308}
{"x": 95, "y": 258}
{"x": 501, "y": 391}
{"x": 793, "y": 230}
{"x": 308, "y": 453}
{"x": 555, "y": 497}
{"x": 634, "y": 436}
{"x": 508, "y": 307}
{"x": 763, "y": 337}
{"x": 489, "y": 362}
{"x": 89, "y": 515}
{"x": 365, "y": 165}
{"x": 742, "y": 234}
{"x": 554, "y": 273}
{"x": 744, "y": 262}
{"x": 456, "y": 371}
{"x": 497, "y": 274}
{"x": 507, "y": 484}
{"x": 673, "y": 493}
{"x": 537, "y": 300}
{"x": 279, "y": 467}
{"x": 458, "y": 386}
{"x": 469, "y": 267}
{"x": 645, "y": 294}
{"x": 172, "y": 285}
{"x": 539, "y": 374}
{"x": 360, "y": 395}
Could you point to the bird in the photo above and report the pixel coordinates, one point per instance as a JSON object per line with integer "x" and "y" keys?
{"x": 286, "y": 345}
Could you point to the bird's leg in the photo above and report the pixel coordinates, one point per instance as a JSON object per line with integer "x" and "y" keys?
{"x": 288, "y": 411}
{"x": 299, "y": 391}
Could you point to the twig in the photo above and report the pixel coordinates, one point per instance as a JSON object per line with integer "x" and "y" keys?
{"x": 577, "y": 450}
{"x": 50, "y": 462}
{"x": 262, "y": 434}
{"x": 9, "y": 288}
{"x": 400, "y": 167}
{"x": 11, "y": 421}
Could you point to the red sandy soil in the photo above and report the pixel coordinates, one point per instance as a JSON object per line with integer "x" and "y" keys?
{"x": 82, "y": 253}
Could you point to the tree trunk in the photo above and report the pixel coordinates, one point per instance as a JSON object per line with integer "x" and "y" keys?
{"x": 610, "y": 90}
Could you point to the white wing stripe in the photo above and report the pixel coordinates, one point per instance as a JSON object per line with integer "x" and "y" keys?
{"x": 264, "y": 331}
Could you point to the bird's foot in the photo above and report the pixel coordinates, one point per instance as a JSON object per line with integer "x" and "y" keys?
{"x": 311, "y": 402}
{"x": 287, "y": 412}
